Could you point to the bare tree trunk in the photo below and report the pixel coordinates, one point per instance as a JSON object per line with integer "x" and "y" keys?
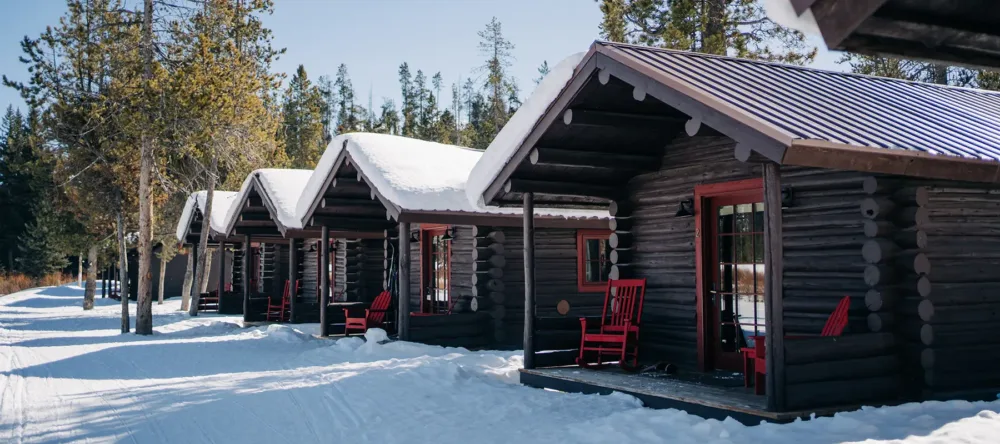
{"x": 940, "y": 74}
{"x": 91, "y": 288}
{"x": 144, "y": 299}
{"x": 79, "y": 270}
{"x": 207, "y": 272}
{"x": 123, "y": 267}
{"x": 163, "y": 276}
{"x": 203, "y": 241}
{"x": 188, "y": 281}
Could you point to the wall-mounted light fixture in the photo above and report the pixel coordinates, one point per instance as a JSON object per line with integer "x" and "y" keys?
{"x": 686, "y": 208}
{"x": 447, "y": 235}
{"x": 787, "y": 197}
{"x": 414, "y": 238}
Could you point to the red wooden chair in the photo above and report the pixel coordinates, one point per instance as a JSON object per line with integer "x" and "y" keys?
{"x": 279, "y": 311}
{"x": 755, "y": 358}
{"x": 619, "y": 332}
{"x": 374, "y": 315}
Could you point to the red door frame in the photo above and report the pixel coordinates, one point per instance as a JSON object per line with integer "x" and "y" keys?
{"x": 701, "y": 194}
{"x": 427, "y": 231}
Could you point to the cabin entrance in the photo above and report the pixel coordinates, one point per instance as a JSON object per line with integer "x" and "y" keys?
{"x": 732, "y": 277}
{"x": 435, "y": 270}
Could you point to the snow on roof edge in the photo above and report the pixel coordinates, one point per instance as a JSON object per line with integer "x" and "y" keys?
{"x": 273, "y": 190}
{"x": 222, "y": 200}
{"x": 318, "y": 179}
{"x": 512, "y": 135}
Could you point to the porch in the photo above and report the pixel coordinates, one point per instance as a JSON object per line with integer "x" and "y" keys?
{"x": 715, "y": 395}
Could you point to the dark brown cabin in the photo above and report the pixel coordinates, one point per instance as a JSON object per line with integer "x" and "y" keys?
{"x": 959, "y": 32}
{"x": 225, "y": 278}
{"x": 450, "y": 269}
{"x": 753, "y": 197}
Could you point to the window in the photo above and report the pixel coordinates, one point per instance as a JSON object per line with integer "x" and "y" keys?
{"x": 435, "y": 269}
{"x": 592, "y": 264}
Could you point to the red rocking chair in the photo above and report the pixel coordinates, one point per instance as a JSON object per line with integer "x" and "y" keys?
{"x": 619, "y": 333}
{"x": 279, "y": 312}
{"x": 755, "y": 358}
{"x": 374, "y": 315}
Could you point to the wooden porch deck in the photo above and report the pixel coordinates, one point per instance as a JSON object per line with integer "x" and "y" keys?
{"x": 705, "y": 400}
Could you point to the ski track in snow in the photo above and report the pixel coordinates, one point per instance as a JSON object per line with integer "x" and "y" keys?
{"x": 68, "y": 376}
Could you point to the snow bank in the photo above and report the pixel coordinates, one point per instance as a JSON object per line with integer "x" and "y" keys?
{"x": 221, "y": 203}
{"x": 281, "y": 187}
{"x": 510, "y": 138}
{"x": 69, "y": 376}
{"x": 413, "y": 175}
{"x": 782, "y": 13}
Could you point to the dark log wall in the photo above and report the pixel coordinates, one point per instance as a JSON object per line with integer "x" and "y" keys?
{"x": 372, "y": 263}
{"x": 555, "y": 281}
{"x": 469, "y": 330}
{"x": 662, "y": 247}
{"x": 461, "y": 268}
{"x": 339, "y": 270}
{"x": 825, "y": 250}
{"x": 310, "y": 268}
{"x": 941, "y": 242}
{"x": 238, "y": 269}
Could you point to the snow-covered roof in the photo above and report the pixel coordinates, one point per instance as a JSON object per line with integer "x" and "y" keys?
{"x": 280, "y": 189}
{"x": 221, "y": 203}
{"x": 510, "y": 138}
{"x": 412, "y": 176}
{"x": 783, "y": 13}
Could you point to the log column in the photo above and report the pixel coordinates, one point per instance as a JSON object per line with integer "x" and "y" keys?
{"x": 620, "y": 240}
{"x": 324, "y": 281}
{"x": 773, "y": 299}
{"x": 245, "y": 275}
{"x": 293, "y": 279}
{"x": 529, "y": 281}
{"x": 403, "y": 328}
{"x": 488, "y": 288}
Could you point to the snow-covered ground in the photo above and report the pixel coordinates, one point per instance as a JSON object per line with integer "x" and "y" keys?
{"x": 68, "y": 376}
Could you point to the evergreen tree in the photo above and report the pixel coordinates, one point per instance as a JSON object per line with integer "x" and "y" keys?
{"x": 327, "y": 107}
{"x": 41, "y": 247}
{"x": 303, "y": 125}
{"x": 499, "y": 87}
{"x": 727, "y": 27}
{"x": 919, "y": 71}
{"x": 543, "y": 71}
{"x": 350, "y": 116}
{"x": 17, "y": 187}
{"x": 409, "y": 116}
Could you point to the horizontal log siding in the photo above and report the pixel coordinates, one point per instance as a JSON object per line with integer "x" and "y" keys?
{"x": 309, "y": 289}
{"x": 943, "y": 243}
{"x": 555, "y": 281}
{"x": 339, "y": 270}
{"x": 373, "y": 268}
{"x": 469, "y": 330}
{"x": 461, "y": 268}
{"x": 663, "y": 249}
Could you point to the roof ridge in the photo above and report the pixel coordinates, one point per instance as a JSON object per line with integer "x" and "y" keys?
{"x": 796, "y": 67}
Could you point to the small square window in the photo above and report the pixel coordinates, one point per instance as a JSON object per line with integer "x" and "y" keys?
{"x": 592, "y": 262}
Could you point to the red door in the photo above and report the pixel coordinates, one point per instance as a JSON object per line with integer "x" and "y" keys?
{"x": 733, "y": 272}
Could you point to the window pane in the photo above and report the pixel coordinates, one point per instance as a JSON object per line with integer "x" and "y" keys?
{"x": 595, "y": 264}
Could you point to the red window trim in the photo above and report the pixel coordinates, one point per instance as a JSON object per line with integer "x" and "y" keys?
{"x": 702, "y": 192}
{"x": 425, "y": 232}
{"x": 581, "y": 284}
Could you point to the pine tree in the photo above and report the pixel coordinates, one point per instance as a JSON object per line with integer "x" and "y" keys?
{"x": 498, "y": 86}
{"x": 919, "y": 71}
{"x": 40, "y": 250}
{"x": 727, "y": 27}
{"x": 328, "y": 105}
{"x": 303, "y": 127}
{"x": 350, "y": 116}
{"x": 17, "y": 190}
{"x": 543, "y": 71}
{"x": 408, "y": 110}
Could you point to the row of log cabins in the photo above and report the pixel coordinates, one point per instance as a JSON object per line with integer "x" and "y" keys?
{"x": 451, "y": 270}
{"x": 752, "y": 197}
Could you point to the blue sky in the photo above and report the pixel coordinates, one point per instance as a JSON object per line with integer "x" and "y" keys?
{"x": 374, "y": 36}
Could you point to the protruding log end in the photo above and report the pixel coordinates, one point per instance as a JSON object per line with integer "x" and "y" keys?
{"x": 533, "y": 157}
{"x": 639, "y": 93}
{"x": 603, "y": 76}
{"x": 568, "y": 116}
{"x": 742, "y": 152}
{"x": 507, "y": 187}
{"x": 926, "y": 310}
{"x": 878, "y": 322}
{"x": 927, "y": 358}
{"x": 927, "y": 334}
{"x": 692, "y": 126}
{"x": 878, "y": 250}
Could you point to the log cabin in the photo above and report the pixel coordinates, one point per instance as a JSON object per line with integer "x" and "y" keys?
{"x": 450, "y": 263}
{"x": 954, "y": 32}
{"x": 285, "y": 256}
{"x": 226, "y": 262}
{"x": 753, "y": 197}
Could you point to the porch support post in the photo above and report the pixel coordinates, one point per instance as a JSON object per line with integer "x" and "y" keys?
{"x": 324, "y": 281}
{"x": 245, "y": 281}
{"x": 293, "y": 277}
{"x": 222, "y": 274}
{"x": 104, "y": 282}
{"x": 774, "y": 322}
{"x": 529, "y": 281}
{"x": 403, "y": 323}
